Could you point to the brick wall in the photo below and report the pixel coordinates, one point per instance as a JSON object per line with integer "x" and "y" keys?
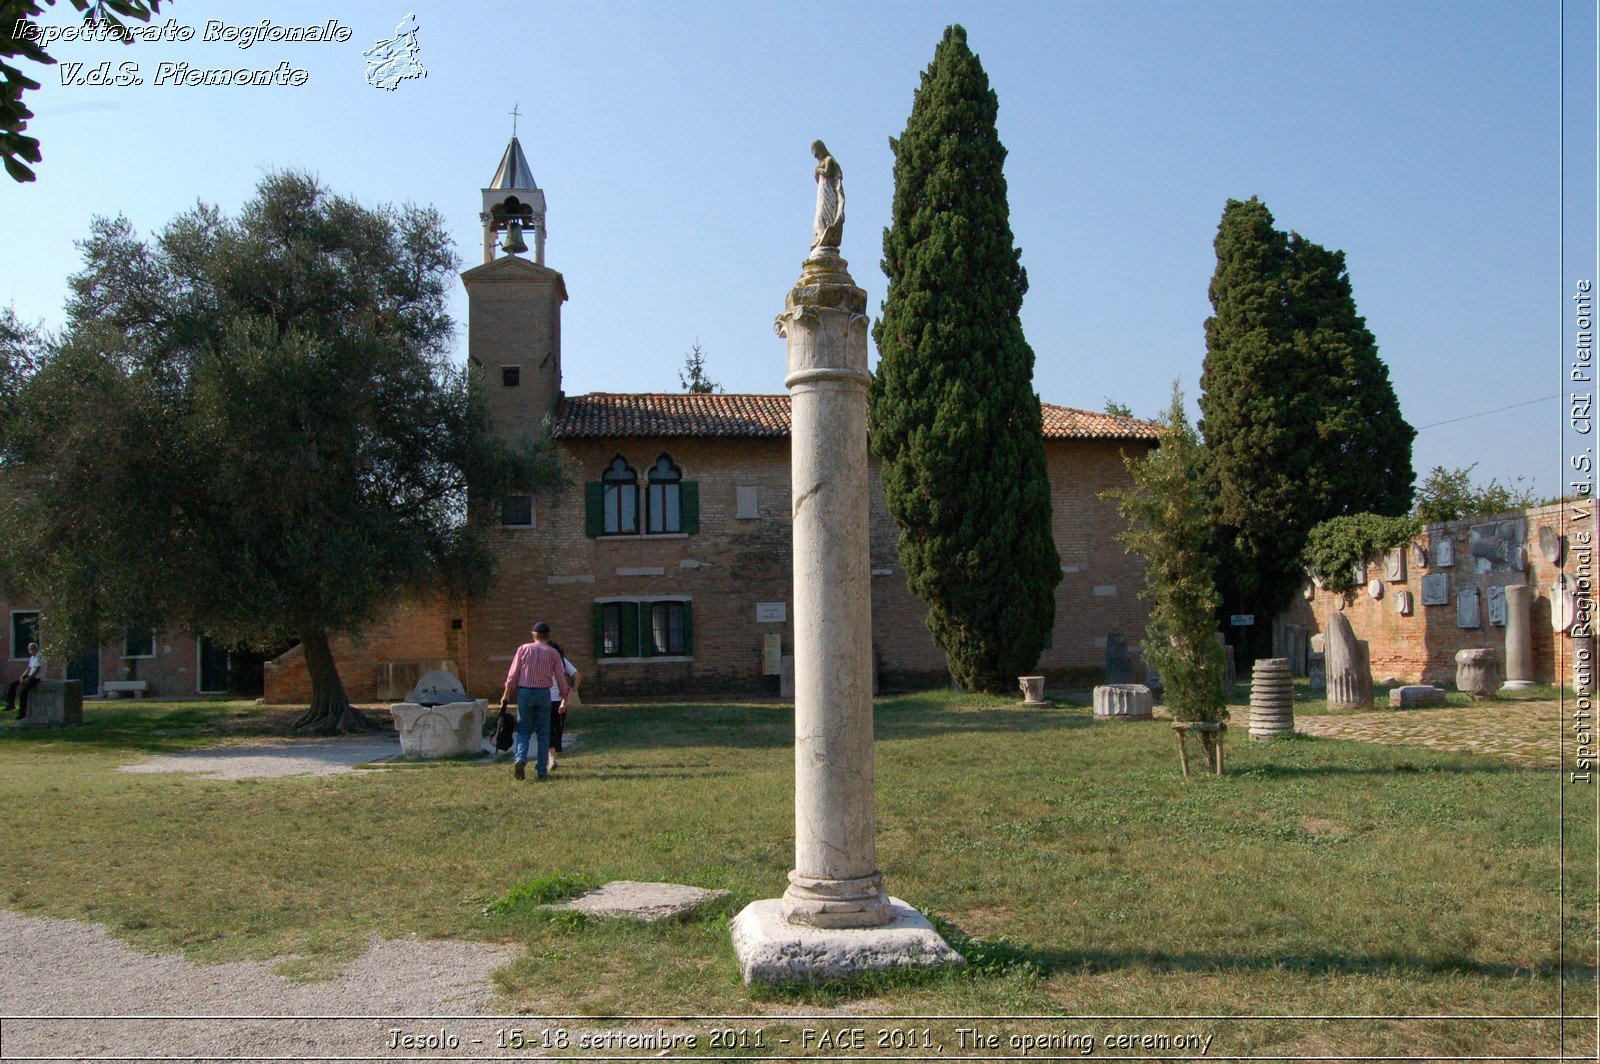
{"x": 172, "y": 672}
{"x": 1422, "y": 647}
{"x": 514, "y": 319}
{"x": 553, "y": 571}
{"x": 384, "y": 662}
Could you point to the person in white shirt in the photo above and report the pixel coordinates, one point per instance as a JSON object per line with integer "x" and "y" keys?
{"x": 17, "y": 692}
{"x": 558, "y": 717}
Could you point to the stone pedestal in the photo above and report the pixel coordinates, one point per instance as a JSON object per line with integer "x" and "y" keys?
{"x": 773, "y": 950}
{"x": 1349, "y": 677}
{"x": 1032, "y": 690}
{"x": 1271, "y": 699}
{"x": 1124, "y": 701}
{"x": 430, "y": 732}
{"x": 1478, "y": 672}
{"x": 835, "y": 885}
{"x": 55, "y": 702}
{"x": 1519, "y": 637}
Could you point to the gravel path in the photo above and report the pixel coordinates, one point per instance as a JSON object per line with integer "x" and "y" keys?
{"x": 284, "y": 757}
{"x": 1525, "y": 733}
{"x": 61, "y": 967}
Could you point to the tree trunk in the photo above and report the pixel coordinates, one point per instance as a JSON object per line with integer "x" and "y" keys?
{"x": 330, "y": 712}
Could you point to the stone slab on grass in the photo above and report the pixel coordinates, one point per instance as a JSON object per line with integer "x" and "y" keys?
{"x": 1415, "y": 695}
{"x": 772, "y": 950}
{"x": 631, "y": 900}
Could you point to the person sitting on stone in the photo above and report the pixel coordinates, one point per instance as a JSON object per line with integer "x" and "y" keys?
{"x": 17, "y": 692}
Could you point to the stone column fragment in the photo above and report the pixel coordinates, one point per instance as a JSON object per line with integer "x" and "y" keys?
{"x": 1519, "y": 637}
{"x": 1349, "y": 678}
{"x": 1271, "y": 699}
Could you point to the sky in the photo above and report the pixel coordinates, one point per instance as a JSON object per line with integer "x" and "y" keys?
{"x": 1431, "y": 142}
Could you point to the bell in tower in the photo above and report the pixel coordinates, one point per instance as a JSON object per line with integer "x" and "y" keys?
{"x": 514, "y": 205}
{"x": 513, "y": 243}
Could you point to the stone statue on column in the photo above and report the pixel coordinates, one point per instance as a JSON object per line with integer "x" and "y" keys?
{"x": 828, "y": 229}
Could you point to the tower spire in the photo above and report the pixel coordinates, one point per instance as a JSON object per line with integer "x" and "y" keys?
{"x": 513, "y": 198}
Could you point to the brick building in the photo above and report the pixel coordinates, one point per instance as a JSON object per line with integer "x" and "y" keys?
{"x": 1413, "y": 627}
{"x": 664, "y": 565}
{"x": 170, "y": 664}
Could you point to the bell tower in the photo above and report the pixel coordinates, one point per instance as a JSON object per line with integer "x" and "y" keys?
{"x": 513, "y": 204}
{"x": 514, "y": 305}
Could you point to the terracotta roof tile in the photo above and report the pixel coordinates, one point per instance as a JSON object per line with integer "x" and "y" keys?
{"x": 683, "y": 414}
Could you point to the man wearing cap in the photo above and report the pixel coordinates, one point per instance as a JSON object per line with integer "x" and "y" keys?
{"x": 535, "y": 667}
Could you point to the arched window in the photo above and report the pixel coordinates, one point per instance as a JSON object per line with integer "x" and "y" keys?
{"x": 663, "y": 499}
{"x": 621, "y": 498}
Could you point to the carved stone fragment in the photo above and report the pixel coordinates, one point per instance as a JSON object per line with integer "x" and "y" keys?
{"x": 1349, "y": 679}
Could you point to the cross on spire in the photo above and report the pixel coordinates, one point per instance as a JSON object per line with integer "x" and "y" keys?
{"x": 514, "y": 113}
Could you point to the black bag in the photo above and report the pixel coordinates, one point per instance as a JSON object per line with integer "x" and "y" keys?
{"x": 505, "y": 729}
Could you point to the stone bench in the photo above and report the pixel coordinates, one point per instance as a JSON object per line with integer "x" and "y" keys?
{"x": 118, "y": 688}
{"x": 55, "y": 702}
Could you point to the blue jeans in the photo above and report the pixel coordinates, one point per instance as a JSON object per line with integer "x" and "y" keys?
{"x": 533, "y": 717}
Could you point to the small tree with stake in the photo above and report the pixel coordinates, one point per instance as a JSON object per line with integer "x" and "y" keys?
{"x": 250, "y": 430}
{"x": 1169, "y": 527}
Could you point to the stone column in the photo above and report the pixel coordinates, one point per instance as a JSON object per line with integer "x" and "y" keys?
{"x": 1519, "y": 637}
{"x": 835, "y": 882}
{"x": 835, "y": 919}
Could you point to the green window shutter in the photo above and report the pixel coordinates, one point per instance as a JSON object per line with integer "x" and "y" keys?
{"x": 689, "y": 506}
{"x": 628, "y": 626}
{"x": 688, "y": 631}
{"x": 599, "y": 631}
{"x": 594, "y": 501}
{"x": 647, "y": 630}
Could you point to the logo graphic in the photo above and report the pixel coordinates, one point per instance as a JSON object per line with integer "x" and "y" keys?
{"x": 395, "y": 60}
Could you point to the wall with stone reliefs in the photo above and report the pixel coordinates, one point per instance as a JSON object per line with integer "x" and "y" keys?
{"x": 1421, "y": 646}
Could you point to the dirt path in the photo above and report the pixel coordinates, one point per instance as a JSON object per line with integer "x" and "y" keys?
{"x": 275, "y": 757}
{"x": 63, "y": 968}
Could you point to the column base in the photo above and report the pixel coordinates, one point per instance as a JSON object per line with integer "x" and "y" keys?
{"x": 837, "y": 903}
{"x": 773, "y": 950}
{"x": 1517, "y": 685}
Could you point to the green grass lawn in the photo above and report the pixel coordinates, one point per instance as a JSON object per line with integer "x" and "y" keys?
{"x": 1068, "y": 857}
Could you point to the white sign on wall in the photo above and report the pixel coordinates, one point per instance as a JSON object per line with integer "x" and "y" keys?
{"x": 772, "y": 612}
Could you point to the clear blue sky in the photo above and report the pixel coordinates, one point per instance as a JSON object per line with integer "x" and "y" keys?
{"x": 671, "y": 141}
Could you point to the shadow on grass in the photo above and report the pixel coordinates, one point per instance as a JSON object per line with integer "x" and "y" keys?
{"x": 158, "y": 727}
{"x": 1482, "y": 764}
{"x": 750, "y": 726}
{"x": 1002, "y": 958}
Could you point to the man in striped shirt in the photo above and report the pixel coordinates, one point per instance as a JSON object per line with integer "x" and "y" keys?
{"x": 534, "y": 668}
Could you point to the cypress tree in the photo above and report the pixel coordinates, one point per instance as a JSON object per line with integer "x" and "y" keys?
{"x": 1300, "y": 420}
{"x": 1366, "y": 443}
{"x": 954, "y": 416}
